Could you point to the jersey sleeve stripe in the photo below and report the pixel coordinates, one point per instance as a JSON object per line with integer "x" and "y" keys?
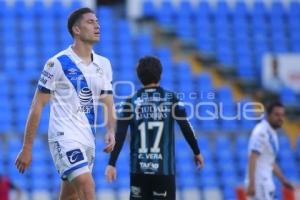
{"x": 43, "y": 89}
{"x": 106, "y": 92}
{"x": 255, "y": 151}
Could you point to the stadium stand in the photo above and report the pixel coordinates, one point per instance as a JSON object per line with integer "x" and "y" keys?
{"x": 31, "y": 34}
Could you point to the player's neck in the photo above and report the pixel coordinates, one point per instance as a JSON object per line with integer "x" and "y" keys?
{"x": 83, "y": 51}
{"x": 151, "y": 85}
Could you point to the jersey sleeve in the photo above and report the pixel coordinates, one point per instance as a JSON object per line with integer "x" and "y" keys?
{"x": 107, "y": 88}
{"x": 257, "y": 141}
{"x": 185, "y": 126}
{"x": 46, "y": 83}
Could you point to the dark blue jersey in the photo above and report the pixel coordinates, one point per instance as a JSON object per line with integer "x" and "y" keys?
{"x": 151, "y": 113}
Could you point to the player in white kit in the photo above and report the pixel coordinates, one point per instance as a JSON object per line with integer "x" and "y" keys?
{"x": 74, "y": 81}
{"x": 262, "y": 150}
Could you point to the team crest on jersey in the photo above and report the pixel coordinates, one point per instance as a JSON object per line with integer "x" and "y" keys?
{"x": 138, "y": 101}
{"x": 136, "y": 191}
{"x": 99, "y": 70}
{"x": 50, "y": 64}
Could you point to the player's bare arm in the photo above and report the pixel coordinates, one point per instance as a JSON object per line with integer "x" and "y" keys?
{"x": 109, "y": 115}
{"x": 277, "y": 171}
{"x": 252, "y": 165}
{"x": 25, "y": 156}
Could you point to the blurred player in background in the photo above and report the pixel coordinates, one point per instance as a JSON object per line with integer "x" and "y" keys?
{"x": 150, "y": 113}
{"x": 6, "y": 186}
{"x": 73, "y": 80}
{"x": 263, "y": 148}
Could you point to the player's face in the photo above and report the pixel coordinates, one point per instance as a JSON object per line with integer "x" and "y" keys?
{"x": 276, "y": 117}
{"x": 89, "y": 29}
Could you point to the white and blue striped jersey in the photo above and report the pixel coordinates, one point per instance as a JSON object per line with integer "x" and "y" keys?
{"x": 264, "y": 141}
{"x": 75, "y": 90}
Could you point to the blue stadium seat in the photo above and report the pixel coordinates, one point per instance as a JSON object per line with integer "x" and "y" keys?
{"x": 185, "y": 165}
{"x": 205, "y": 43}
{"x": 123, "y": 182}
{"x": 228, "y": 119}
{"x": 204, "y": 10}
{"x": 241, "y": 142}
{"x": 165, "y": 56}
{"x": 104, "y": 12}
{"x": 240, "y": 10}
{"x": 259, "y": 9}
{"x": 288, "y": 96}
{"x": 59, "y": 9}
{"x": 204, "y": 82}
{"x": 6, "y": 121}
{"x": 229, "y": 192}
{"x": 225, "y": 95}
{"x": 293, "y": 22}
{"x": 229, "y": 178}
{"x": 165, "y": 14}
{"x": 183, "y": 67}
{"x": 222, "y": 24}
{"x": 245, "y": 69}
{"x": 188, "y": 181}
{"x": 184, "y": 29}
{"x": 222, "y": 142}
{"x": 167, "y": 83}
{"x": 203, "y": 25}
{"x": 222, "y": 10}
{"x": 76, "y": 4}
{"x": 185, "y": 10}
{"x": 149, "y": 9}
{"x": 277, "y": 9}
{"x": 208, "y": 177}
{"x": 207, "y": 115}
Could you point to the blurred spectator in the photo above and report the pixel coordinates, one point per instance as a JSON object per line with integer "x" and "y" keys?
{"x": 275, "y": 82}
{"x": 6, "y": 186}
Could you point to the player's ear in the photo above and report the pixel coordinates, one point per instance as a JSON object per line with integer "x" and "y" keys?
{"x": 76, "y": 29}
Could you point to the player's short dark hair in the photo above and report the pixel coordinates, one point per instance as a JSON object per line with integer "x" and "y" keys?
{"x": 149, "y": 70}
{"x": 75, "y": 16}
{"x": 270, "y": 106}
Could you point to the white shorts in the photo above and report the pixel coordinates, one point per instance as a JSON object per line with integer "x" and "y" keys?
{"x": 71, "y": 158}
{"x": 264, "y": 191}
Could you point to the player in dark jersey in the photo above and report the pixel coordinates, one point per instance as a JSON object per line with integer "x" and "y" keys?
{"x": 151, "y": 113}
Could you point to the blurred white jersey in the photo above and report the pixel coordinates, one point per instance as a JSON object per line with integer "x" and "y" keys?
{"x": 75, "y": 89}
{"x": 264, "y": 141}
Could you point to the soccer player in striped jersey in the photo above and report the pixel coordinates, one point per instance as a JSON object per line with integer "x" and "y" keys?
{"x": 150, "y": 113}
{"x": 263, "y": 149}
{"x": 73, "y": 81}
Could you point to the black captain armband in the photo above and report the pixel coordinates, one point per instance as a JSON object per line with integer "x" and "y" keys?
{"x": 43, "y": 89}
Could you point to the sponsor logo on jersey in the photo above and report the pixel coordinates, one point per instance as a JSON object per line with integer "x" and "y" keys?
{"x": 86, "y": 100}
{"x": 77, "y": 78}
{"x": 58, "y": 149}
{"x": 149, "y": 166}
{"x": 160, "y": 194}
{"x": 85, "y": 96}
{"x": 43, "y": 80}
{"x": 72, "y": 71}
{"x": 47, "y": 74}
{"x": 135, "y": 191}
{"x": 75, "y": 156}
